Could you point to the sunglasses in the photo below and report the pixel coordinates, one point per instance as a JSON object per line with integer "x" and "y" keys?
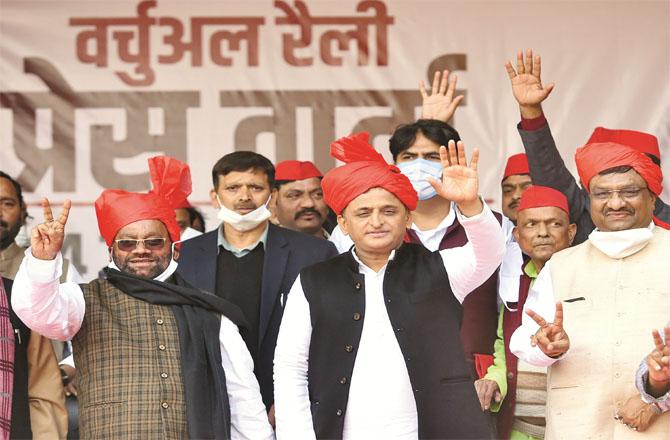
{"x": 150, "y": 244}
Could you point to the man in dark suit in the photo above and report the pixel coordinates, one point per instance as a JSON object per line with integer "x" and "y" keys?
{"x": 248, "y": 260}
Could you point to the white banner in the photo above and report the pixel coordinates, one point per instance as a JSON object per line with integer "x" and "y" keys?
{"x": 90, "y": 89}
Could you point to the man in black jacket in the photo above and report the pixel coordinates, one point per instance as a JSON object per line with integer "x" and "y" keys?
{"x": 547, "y": 167}
{"x": 248, "y": 260}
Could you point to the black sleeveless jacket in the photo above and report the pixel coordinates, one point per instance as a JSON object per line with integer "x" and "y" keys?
{"x": 426, "y": 317}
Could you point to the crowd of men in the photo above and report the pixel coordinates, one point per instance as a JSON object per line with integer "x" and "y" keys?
{"x": 375, "y": 301}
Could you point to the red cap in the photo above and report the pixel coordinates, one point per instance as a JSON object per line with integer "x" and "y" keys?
{"x": 116, "y": 208}
{"x": 364, "y": 169}
{"x": 296, "y": 170}
{"x": 593, "y": 159}
{"x": 516, "y": 164}
{"x": 642, "y": 142}
{"x": 536, "y": 196}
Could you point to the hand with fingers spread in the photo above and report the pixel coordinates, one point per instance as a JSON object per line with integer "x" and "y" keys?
{"x": 440, "y": 104}
{"x": 551, "y": 337}
{"x": 46, "y": 239}
{"x": 487, "y": 390}
{"x": 460, "y": 181}
{"x": 658, "y": 364}
{"x": 527, "y": 84}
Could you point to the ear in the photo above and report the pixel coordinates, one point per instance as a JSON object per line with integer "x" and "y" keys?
{"x": 274, "y": 195}
{"x": 515, "y": 233}
{"x": 342, "y": 223}
{"x": 572, "y": 231}
{"x": 212, "y": 196}
{"x": 408, "y": 223}
{"x": 175, "y": 253}
{"x": 109, "y": 255}
{"x": 24, "y": 214}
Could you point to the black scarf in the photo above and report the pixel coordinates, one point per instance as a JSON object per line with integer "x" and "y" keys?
{"x": 198, "y": 324}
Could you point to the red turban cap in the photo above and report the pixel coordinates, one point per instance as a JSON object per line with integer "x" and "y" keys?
{"x": 296, "y": 170}
{"x": 364, "y": 169}
{"x": 592, "y": 159}
{"x": 536, "y": 196}
{"x": 516, "y": 164}
{"x": 116, "y": 208}
{"x": 642, "y": 142}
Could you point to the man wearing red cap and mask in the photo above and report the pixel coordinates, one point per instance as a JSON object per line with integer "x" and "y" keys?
{"x": 297, "y": 198}
{"x": 156, "y": 358}
{"x": 611, "y": 289}
{"x": 369, "y": 346}
{"x": 543, "y": 228}
{"x": 546, "y": 165}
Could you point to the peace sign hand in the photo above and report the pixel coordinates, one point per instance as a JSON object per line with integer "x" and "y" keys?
{"x": 658, "y": 363}
{"x": 551, "y": 336}
{"x": 46, "y": 239}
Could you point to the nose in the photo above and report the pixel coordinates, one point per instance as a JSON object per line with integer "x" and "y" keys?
{"x": 542, "y": 230}
{"x": 615, "y": 201}
{"x": 376, "y": 219}
{"x": 517, "y": 193}
{"x": 306, "y": 201}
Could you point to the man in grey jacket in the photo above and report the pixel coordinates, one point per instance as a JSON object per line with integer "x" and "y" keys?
{"x": 547, "y": 167}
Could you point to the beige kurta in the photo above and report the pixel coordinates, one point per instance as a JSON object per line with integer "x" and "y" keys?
{"x": 610, "y": 333}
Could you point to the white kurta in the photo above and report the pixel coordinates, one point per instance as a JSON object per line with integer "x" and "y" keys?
{"x": 57, "y": 311}
{"x": 381, "y": 403}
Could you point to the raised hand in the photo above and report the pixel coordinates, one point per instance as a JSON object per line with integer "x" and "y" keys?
{"x": 46, "y": 239}
{"x": 658, "y": 363}
{"x": 440, "y": 104}
{"x": 460, "y": 182}
{"x": 487, "y": 390}
{"x": 551, "y": 336}
{"x": 527, "y": 83}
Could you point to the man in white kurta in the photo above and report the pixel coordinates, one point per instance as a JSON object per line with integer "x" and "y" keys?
{"x": 613, "y": 288}
{"x": 381, "y": 398}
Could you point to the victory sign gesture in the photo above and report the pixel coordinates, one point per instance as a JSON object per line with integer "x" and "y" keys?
{"x": 527, "y": 84}
{"x": 460, "y": 181}
{"x": 658, "y": 363}
{"x": 551, "y": 337}
{"x": 46, "y": 239}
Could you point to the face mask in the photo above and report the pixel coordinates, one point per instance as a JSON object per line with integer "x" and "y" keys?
{"x": 245, "y": 222}
{"x": 621, "y": 244}
{"x": 418, "y": 171}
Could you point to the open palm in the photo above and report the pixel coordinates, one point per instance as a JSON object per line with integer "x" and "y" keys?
{"x": 460, "y": 182}
{"x": 440, "y": 104}
{"x": 526, "y": 80}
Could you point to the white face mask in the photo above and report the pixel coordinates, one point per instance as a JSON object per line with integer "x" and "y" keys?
{"x": 245, "y": 222}
{"x": 418, "y": 171}
{"x": 621, "y": 244}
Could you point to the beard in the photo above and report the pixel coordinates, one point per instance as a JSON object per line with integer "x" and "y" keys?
{"x": 8, "y": 234}
{"x": 151, "y": 267}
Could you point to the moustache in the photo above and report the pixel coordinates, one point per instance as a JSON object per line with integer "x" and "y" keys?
{"x": 245, "y": 206}
{"x": 4, "y": 224}
{"x": 514, "y": 204}
{"x": 626, "y": 210}
{"x": 306, "y": 211}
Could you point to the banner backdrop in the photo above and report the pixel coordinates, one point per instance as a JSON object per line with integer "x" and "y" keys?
{"x": 90, "y": 89}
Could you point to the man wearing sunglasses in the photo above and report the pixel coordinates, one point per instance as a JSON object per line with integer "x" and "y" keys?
{"x": 156, "y": 357}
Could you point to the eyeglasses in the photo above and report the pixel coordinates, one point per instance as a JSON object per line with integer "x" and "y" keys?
{"x": 150, "y": 244}
{"x": 625, "y": 193}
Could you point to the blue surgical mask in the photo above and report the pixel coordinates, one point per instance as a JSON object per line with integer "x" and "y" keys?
{"x": 418, "y": 171}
